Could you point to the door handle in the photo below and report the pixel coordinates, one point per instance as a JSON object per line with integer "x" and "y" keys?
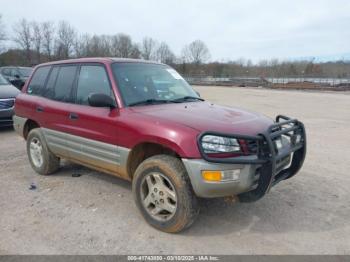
{"x": 39, "y": 109}
{"x": 73, "y": 116}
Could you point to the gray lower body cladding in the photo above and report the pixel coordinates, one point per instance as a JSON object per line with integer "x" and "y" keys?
{"x": 95, "y": 154}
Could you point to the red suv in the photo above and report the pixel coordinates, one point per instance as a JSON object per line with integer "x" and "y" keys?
{"x": 141, "y": 121}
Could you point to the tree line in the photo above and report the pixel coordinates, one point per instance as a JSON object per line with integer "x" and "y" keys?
{"x": 272, "y": 68}
{"x": 33, "y": 42}
{"x": 47, "y": 41}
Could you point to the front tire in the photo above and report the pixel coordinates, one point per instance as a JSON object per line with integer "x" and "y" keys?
{"x": 41, "y": 159}
{"x": 164, "y": 195}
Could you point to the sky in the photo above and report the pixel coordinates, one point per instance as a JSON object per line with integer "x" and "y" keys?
{"x": 232, "y": 29}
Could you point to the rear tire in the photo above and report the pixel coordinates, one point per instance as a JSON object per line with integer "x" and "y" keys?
{"x": 164, "y": 179}
{"x": 41, "y": 159}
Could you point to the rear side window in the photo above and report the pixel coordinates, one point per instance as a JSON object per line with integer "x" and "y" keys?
{"x": 37, "y": 83}
{"x": 92, "y": 79}
{"x": 62, "y": 90}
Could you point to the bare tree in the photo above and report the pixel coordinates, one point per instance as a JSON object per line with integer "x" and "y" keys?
{"x": 37, "y": 40}
{"x": 122, "y": 46}
{"x": 66, "y": 35}
{"x": 23, "y": 37}
{"x": 105, "y": 45}
{"x": 164, "y": 54}
{"x": 2, "y": 33}
{"x": 196, "y": 52}
{"x": 135, "y": 51}
{"x": 48, "y": 35}
{"x": 106, "y": 42}
{"x": 81, "y": 44}
{"x": 97, "y": 45}
{"x": 148, "y": 48}
{"x": 94, "y": 46}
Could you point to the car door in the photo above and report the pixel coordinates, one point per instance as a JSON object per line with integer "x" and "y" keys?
{"x": 35, "y": 101}
{"x": 93, "y": 131}
{"x": 55, "y": 107}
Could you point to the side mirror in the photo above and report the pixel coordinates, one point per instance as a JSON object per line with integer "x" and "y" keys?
{"x": 101, "y": 100}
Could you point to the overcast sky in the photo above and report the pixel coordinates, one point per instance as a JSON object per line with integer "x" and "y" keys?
{"x": 231, "y": 29}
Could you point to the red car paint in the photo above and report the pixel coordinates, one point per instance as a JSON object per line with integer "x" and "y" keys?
{"x": 172, "y": 125}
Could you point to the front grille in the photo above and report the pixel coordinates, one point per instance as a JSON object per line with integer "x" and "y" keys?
{"x": 254, "y": 147}
{"x": 6, "y": 103}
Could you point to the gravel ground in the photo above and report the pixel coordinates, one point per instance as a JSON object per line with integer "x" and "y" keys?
{"x": 95, "y": 213}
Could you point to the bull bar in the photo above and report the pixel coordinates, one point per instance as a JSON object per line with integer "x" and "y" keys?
{"x": 268, "y": 156}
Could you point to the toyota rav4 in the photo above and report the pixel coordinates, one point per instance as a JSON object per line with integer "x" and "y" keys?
{"x": 142, "y": 121}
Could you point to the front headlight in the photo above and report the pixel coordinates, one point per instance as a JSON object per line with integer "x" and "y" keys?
{"x": 219, "y": 144}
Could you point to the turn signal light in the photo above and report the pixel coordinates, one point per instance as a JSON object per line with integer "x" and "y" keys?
{"x": 212, "y": 176}
{"x": 221, "y": 176}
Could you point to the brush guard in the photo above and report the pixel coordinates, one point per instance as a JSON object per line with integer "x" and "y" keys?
{"x": 272, "y": 160}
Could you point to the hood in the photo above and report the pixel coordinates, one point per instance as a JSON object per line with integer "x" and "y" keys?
{"x": 205, "y": 116}
{"x": 8, "y": 91}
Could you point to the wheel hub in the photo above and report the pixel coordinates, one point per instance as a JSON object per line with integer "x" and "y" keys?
{"x": 158, "y": 196}
{"x": 36, "y": 152}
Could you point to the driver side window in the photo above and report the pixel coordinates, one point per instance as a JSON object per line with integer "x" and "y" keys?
{"x": 92, "y": 79}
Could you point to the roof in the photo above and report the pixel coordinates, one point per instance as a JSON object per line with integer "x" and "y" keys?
{"x": 16, "y": 67}
{"x": 101, "y": 60}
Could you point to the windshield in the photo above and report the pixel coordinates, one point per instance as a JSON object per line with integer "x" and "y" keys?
{"x": 140, "y": 83}
{"x": 3, "y": 81}
{"x": 25, "y": 71}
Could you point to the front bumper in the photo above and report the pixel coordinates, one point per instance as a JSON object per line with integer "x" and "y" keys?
{"x": 6, "y": 117}
{"x": 206, "y": 189}
{"x": 258, "y": 172}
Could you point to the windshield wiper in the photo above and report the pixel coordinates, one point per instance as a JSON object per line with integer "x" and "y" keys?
{"x": 187, "y": 98}
{"x": 152, "y": 101}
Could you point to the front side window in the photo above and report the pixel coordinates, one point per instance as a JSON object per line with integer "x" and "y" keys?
{"x": 37, "y": 83}
{"x": 92, "y": 79}
{"x": 140, "y": 83}
{"x": 62, "y": 90}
